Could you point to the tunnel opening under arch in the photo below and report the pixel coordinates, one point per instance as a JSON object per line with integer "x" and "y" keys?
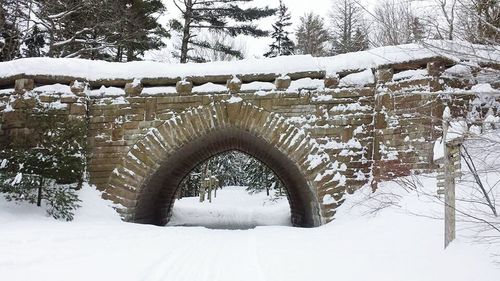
{"x": 158, "y": 194}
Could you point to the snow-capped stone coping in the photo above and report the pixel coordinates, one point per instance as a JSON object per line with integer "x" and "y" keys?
{"x": 101, "y": 73}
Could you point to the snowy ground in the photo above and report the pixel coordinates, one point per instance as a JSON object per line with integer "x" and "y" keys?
{"x": 233, "y": 208}
{"x": 391, "y": 245}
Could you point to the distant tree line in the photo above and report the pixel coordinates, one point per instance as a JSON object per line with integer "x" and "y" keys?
{"x": 205, "y": 30}
{"x": 232, "y": 168}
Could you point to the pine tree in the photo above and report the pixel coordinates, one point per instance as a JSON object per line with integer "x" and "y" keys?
{"x": 34, "y": 43}
{"x": 259, "y": 177}
{"x": 140, "y": 30}
{"x": 48, "y": 165}
{"x": 348, "y": 32}
{"x": 311, "y": 35}
{"x": 215, "y": 15}
{"x": 232, "y": 168}
{"x": 282, "y": 45}
{"x": 10, "y": 35}
{"x": 119, "y": 30}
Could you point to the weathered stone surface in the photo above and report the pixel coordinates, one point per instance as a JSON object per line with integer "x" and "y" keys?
{"x": 22, "y": 85}
{"x": 436, "y": 68}
{"x": 133, "y": 89}
{"x": 78, "y": 109}
{"x": 282, "y": 82}
{"x": 234, "y": 85}
{"x": 332, "y": 81}
{"x": 78, "y": 88}
{"x": 184, "y": 87}
{"x": 384, "y": 74}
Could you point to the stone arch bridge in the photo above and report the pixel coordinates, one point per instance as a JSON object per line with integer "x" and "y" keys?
{"x": 324, "y": 133}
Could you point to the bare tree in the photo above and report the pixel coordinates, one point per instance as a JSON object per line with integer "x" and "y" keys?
{"x": 448, "y": 11}
{"x": 396, "y": 23}
{"x": 349, "y": 33}
{"x": 479, "y": 21}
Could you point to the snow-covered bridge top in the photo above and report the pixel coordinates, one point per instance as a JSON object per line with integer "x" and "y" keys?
{"x": 52, "y": 70}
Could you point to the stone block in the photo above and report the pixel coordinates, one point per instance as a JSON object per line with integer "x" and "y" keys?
{"x": 78, "y": 88}
{"x": 436, "y": 68}
{"x": 436, "y": 85}
{"x": 384, "y": 75}
{"x": 23, "y": 85}
{"x": 77, "y": 109}
{"x": 24, "y": 103}
{"x": 68, "y": 99}
{"x": 283, "y": 82}
{"x": 234, "y": 85}
{"x": 184, "y": 87}
{"x": 47, "y": 98}
{"x": 134, "y": 89}
{"x": 331, "y": 81}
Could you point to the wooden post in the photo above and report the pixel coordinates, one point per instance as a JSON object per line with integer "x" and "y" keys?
{"x": 39, "y": 196}
{"x": 202, "y": 191}
{"x": 209, "y": 190}
{"x": 449, "y": 198}
{"x": 451, "y": 155}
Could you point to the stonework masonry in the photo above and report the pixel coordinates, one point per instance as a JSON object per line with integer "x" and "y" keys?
{"x": 337, "y": 137}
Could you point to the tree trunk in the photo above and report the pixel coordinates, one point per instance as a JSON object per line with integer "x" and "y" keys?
{"x": 39, "y": 197}
{"x": 186, "y": 31}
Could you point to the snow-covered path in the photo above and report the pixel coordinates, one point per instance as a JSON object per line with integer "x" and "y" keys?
{"x": 98, "y": 246}
{"x": 233, "y": 208}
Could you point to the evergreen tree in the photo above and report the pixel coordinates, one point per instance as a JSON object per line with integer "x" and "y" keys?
{"x": 348, "y": 33}
{"x": 140, "y": 30}
{"x": 10, "y": 35}
{"x": 35, "y": 42}
{"x": 258, "y": 177}
{"x": 214, "y": 38}
{"x": 48, "y": 164}
{"x": 282, "y": 45}
{"x": 311, "y": 35}
{"x": 224, "y": 16}
{"x": 232, "y": 168}
{"x": 227, "y": 167}
{"x": 119, "y": 30}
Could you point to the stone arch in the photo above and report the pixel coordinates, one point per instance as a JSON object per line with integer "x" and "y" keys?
{"x": 145, "y": 182}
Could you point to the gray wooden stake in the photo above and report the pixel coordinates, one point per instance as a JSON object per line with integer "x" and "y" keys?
{"x": 449, "y": 190}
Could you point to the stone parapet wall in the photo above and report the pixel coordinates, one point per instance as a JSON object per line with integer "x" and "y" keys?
{"x": 372, "y": 131}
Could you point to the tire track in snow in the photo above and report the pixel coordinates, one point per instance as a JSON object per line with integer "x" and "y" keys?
{"x": 176, "y": 257}
{"x": 224, "y": 255}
